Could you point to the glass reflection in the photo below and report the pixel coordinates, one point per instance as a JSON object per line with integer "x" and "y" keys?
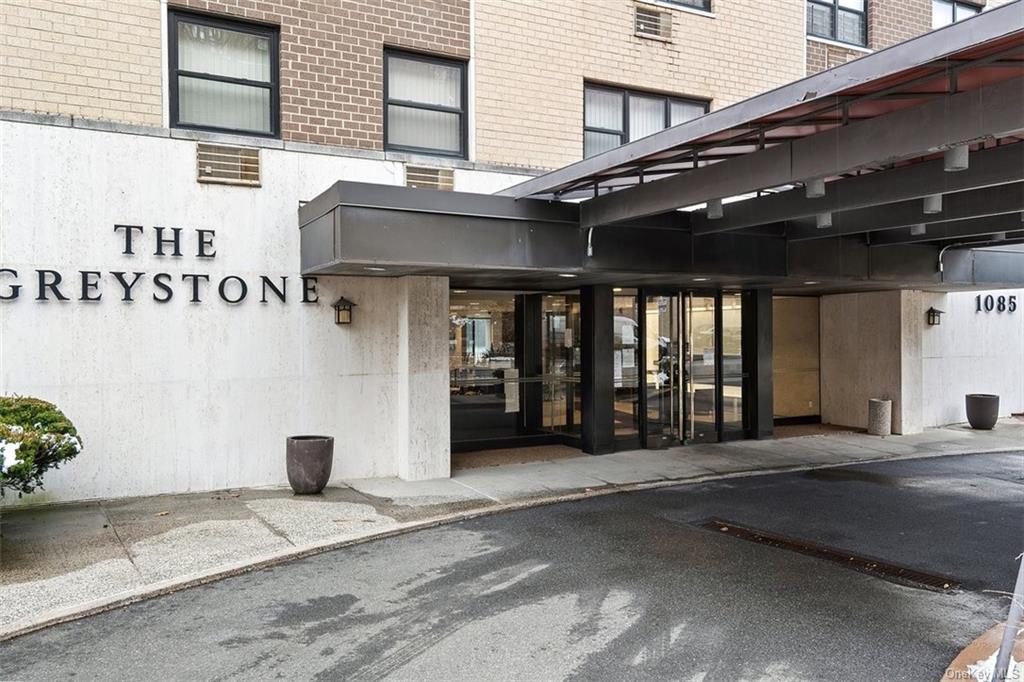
{"x": 625, "y": 363}
{"x": 700, "y": 368}
{"x": 661, "y": 370}
{"x": 560, "y": 341}
{"x": 482, "y": 365}
{"x": 732, "y": 361}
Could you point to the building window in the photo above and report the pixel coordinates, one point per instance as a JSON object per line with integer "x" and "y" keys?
{"x": 614, "y": 116}
{"x": 841, "y": 20}
{"x": 425, "y": 102}
{"x": 695, "y": 4}
{"x": 946, "y": 12}
{"x": 223, "y": 75}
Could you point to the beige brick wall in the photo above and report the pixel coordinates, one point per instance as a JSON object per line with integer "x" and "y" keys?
{"x": 102, "y": 59}
{"x": 89, "y": 58}
{"x": 889, "y": 22}
{"x": 533, "y": 56}
{"x": 893, "y": 21}
{"x": 821, "y": 56}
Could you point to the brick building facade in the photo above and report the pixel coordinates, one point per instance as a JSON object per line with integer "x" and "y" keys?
{"x": 82, "y": 59}
{"x": 888, "y": 22}
{"x": 214, "y": 354}
{"x": 332, "y": 70}
{"x": 528, "y": 61}
{"x": 533, "y": 58}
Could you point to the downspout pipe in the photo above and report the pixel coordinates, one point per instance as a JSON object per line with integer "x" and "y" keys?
{"x": 983, "y": 242}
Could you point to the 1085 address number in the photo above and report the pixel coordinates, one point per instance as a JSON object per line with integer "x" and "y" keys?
{"x": 999, "y": 304}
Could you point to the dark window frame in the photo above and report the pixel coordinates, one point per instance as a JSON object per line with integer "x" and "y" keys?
{"x": 272, "y": 33}
{"x": 462, "y": 111}
{"x": 705, "y": 5}
{"x": 835, "y": 7}
{"x": 956, "y": 6}
{"x": 624, "y": 137}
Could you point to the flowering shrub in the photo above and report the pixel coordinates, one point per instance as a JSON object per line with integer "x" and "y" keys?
{"x": 34, "y": 437}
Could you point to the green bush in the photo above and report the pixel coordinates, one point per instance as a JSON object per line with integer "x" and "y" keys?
{"x": 34, "y": 437}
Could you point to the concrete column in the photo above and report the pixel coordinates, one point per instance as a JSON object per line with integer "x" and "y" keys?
{"x": 423, "y": 412}
{"x": 871, "y": 348}
{"x": 910, "y": 418}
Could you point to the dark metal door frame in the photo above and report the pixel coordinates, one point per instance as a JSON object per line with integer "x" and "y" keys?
{"x": 682, "y": 296}
{"x": 643, "y": 294}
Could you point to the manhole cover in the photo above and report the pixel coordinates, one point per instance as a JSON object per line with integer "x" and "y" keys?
{"x": 881, "y": 569}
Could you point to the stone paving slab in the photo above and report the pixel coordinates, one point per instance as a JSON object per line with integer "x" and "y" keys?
{"x": 415, "y": 493}
{"x": 637, "y": 467}
{"x": 58, "y": 562}
{"x": 506, "y": 483}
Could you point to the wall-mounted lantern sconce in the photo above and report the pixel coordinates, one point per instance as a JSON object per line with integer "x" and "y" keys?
{"x": 934, "y": 317}
{"x": 343, "y": 311}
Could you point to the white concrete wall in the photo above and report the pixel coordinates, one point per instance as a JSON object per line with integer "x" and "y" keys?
{"x": 878, "y": 345}
{"x": 179, "y": 396}
{"x": 971, "y": 352}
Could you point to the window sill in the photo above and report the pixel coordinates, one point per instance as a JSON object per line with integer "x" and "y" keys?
{"x": 648, "y": 36}
{"x": 679, "y": 8}
{"x": 837, "y": 43}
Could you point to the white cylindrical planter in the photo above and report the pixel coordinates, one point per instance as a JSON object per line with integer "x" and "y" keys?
{"x": 879, "y": 417}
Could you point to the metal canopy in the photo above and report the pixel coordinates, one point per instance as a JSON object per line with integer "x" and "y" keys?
{"x": 873, "y": 130}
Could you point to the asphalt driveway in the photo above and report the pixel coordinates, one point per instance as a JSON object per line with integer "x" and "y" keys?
{"x": 622, "y": 587}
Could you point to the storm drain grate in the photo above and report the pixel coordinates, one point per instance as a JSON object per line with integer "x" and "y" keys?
{"x": 881, "y": 569}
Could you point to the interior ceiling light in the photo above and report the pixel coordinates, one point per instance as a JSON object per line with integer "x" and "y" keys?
{"x": 700, "y": 279}
{"x": 812, "y": 281}
{"x": 815, "y": 188}
{"x": 375, "y": 269}
{"x": 714, "y": 209}
{"x": 933, "y": 204}
{"x": 567, "y": 275}
{"x": 956, "y": 158}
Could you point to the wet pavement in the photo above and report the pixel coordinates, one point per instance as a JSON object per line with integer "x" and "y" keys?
{"x": 61, "y": 560}
{"x": 617, "y": 587}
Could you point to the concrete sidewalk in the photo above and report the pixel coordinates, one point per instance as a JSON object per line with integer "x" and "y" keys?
{"x": 64, "y": 561}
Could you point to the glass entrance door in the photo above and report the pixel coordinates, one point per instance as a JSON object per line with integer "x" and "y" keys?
{"x": 734, "y": 379}
{"x": 700, "y": 368}
{"x": 663, "y": 389}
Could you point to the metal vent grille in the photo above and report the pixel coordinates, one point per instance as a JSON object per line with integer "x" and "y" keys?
{"x": 650, "y": 23}
{"x": 228, "y": 165}
{"x": 429, "y": 178}
{"x": 881, "y": 569}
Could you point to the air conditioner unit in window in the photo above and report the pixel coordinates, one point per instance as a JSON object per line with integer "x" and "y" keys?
{"x": 226, "y": 165}
{"x": 650, "y": 23}
{"x": 429, "y": 178}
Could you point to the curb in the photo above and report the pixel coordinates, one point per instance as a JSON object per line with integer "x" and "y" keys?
{"x": 164, "y": 587}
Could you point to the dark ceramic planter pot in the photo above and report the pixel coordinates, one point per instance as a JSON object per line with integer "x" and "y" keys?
{"x": 309, "y": 461}
{"x": 982, "y": 410}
